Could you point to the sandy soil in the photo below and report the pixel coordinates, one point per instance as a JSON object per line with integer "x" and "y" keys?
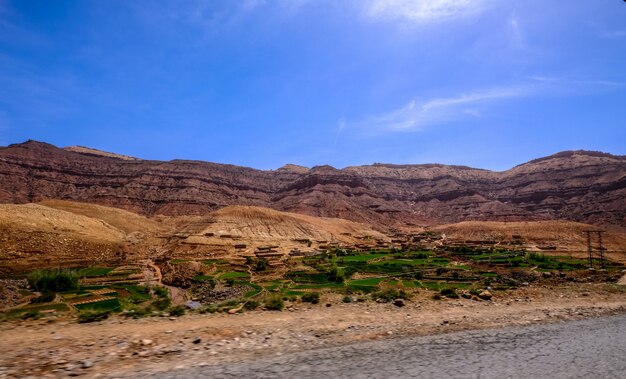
{"x": 120, "y": 347}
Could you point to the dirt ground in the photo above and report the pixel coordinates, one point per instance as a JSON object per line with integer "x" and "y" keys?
{"x": 120, "y": 347}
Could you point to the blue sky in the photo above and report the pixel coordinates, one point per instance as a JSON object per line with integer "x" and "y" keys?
{"x": 262, "y": 83}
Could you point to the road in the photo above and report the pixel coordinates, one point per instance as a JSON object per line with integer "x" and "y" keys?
{"x": 592, "y": 348}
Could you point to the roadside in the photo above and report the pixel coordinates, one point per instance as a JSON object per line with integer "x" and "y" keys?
{"x": 124, "y": 347}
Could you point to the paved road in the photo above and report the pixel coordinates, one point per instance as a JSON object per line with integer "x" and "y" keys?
{"x": 594, "y": 348}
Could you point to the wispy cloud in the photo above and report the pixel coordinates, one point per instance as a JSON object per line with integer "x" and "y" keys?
{"x": 417, "y": 115}
{"x": 424, "y": 11}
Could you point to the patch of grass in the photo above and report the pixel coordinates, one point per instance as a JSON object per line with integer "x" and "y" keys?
{"x": 234, "y": 275}
{"x": 360, "y": 257}
{"x": 138, "y": 294}
{"x": 438, "y": 286}
{"x": 13, "y": 313}
{"x": 111, "y": 305}
{"x": 94, "y": 272}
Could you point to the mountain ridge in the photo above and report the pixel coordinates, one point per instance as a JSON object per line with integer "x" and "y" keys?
{"x": 572, "y": 185}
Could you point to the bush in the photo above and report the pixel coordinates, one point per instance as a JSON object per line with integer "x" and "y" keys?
{"x": 436, "y": 296}
{"x": 311, "y": 297}
{"x": 209, "y": 309}
{"x": 251, "y": 304}
{"x": 161, "y": 304}
{"x": 45, "y": 297}
{"x": 274, "y": 303}
{"x": 178, "y": 310}
{"x": 93, "y": 315}
{"x": 336, "y": 274}
{"x": 161, "y": 292}
{"x": 261, "y": 264}
{"x": 31, "y": 314}
{"x": 450, "y": 293}
{"x": 53, "y": 280}
{"x": 390, "y": 294}
{"x": 347, "y": 299}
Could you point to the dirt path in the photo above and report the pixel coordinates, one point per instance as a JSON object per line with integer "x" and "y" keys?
{"x": 120, "y": 347}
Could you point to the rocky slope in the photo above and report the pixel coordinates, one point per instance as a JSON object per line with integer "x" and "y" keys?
{"x": 576, "y": 185}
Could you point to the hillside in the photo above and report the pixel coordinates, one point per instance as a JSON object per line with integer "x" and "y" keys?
{"x": 577, "y": 186}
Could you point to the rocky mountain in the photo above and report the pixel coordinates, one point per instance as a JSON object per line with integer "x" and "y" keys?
{"x": 573, "y": 185}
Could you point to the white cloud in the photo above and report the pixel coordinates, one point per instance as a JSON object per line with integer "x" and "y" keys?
{"x": 416, "y": 115}
{"x": 424, "y": 11}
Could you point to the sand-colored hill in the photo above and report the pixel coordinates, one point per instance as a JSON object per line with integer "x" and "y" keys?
{"x": 37, "y": 218}
{"x": 263, "y": 224}
{"x": 125, "y": 221}
{"x": 33, "y": 235}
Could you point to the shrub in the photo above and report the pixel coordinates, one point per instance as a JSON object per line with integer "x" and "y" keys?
{"x": 436, "y": 296}
{"x": 261, "y": 264}
{"x": 178, "y": 310}
{"x": 251, "y": 304}
{"x": 347, "y": 299}
{"x": 450, "y": 293}
{"x": 311, "y": 297}
{"x": 161, "y": 304}
{"x": 274, "y": 303}
{"x": 53, "y": 280}
{"x": 209, "y": 309}
{"x": 390, "y": 294}
{"x": 93, "y": 315}
{"x": 31, "y": 314}
{"x": 161, "y": 292}
{"x": 336, "y": 274}
{"x": 45, "y": 297}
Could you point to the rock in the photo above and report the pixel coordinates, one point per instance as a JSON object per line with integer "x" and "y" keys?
{"x": 193, "y": 305}
{"x": 399, "y": 303}
{"x": 485, "y": 295}
{"x": 86, "y": 364}
{"x": 197, "y": 340}
{"x": 146, "y": 342}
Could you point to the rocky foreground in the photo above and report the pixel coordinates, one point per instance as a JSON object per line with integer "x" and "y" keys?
{"x": 127, "y": 348}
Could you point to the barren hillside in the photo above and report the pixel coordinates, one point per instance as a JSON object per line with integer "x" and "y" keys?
{"x": 578, "y": 186}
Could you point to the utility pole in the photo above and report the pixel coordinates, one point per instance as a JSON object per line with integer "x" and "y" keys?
{"x": 601, "y": 249}
{"x": 590, "y": 248}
